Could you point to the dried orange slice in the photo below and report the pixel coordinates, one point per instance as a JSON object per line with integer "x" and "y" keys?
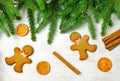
{"x": 43, "y": 67}
{"x": 22, "y": 30}
{"x": 104, "y": 64}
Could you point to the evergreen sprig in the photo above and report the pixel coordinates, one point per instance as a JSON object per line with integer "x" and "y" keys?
{"x": 3, "y": 23}
{"x": 31, "y": 20}
{"x": 91, "y": 27}
{"x": 9, "y": 23}
{"x": 72, "y": 14}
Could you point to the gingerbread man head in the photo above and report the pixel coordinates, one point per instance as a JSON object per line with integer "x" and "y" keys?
{"x": 74, "y": 36}
{"x": 27, "y": 50}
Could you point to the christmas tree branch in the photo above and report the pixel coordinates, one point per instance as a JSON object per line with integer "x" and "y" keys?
{"x": 52, "y": 30}
{"x": 31, "y": 23}
{"x": 9, "y": 21}
{"x": 77, "y": 24}
{"x": 3, "y": 23}
{"x": 91, "y": 27}
{"x": 72, "y": 13}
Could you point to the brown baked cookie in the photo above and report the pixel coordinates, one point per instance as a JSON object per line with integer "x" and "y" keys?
{"x": 81, "y": 45}
{"x": 43, "y": 67}
{"x": 104, "y": 64}
{"x": 22, "y": 30}
{"x": 20, "y": 57}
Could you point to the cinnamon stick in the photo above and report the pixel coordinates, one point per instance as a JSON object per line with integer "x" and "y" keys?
{"x": 112, "y": 38}
{"x": 113, "y": 47}
{"x": 75, "y": 70}
{"x": 115, "y": 42}
{"x": 111, "y": 35}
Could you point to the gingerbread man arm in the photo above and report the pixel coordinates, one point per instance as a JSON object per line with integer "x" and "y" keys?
{"x": 88, "y": 46}
{"x": 27, "y": 60}
{"x": 11, "y": 60}
{"x": 73, "y": 47}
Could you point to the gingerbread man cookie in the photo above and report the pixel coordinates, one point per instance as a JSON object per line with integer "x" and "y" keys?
{"x": 20, "y": 57}
{"x": 81, "y": 44}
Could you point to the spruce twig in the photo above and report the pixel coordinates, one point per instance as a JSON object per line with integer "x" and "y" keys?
{"x": 10, "y": 22}
{"x": 75, "y": 25}
{"x": 52, "y": 30}
{"x": 31, "y": 20}
{"x": 91, "y": 27}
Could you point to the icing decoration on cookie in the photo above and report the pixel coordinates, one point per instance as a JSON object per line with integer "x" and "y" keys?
{"x": 20, "y": 58}
{"x": 81, "y": 45}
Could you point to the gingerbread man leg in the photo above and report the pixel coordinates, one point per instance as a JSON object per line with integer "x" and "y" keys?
{"x": 83, "y": 55}
{"x": 18, "y": 67}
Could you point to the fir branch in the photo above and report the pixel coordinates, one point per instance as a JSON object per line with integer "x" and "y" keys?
{"x": 39, "y": 16}
{"x": 91, "y": 27}
{"x": 52, "y": 30}
{"x": 81, "y": 7}
{"x": 117, "y": 7}
{"x": 4, "y": 29}
{"x": 20, "y": 4}
{"x": 45, "y": 20}
{"x": 77, "y": 24}
{"x": 31, "y": 20}
{"x": 11, "y": 26}
{"x": 71, "y": 16}
{"x": 46, "y": 17}
{"x": 3, "y": 23}
{"x": 110, "y": 23}
{"x": 104, "y": 28}
{"x": 106, "y": 14}
{"x": 64, "y": 21}
{"x": 30, "y": 4}
{"x": 11, "y": 10}
{"x": 9, "y": 21}
{"x": 41, "y": 4}
{"x": 96, "y": 14}
{"x": 66, "y": 11}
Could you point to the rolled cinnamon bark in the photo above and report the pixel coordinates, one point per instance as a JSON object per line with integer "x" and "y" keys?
{"x": 112, "y": 38}
{"x": 112, "y": 47}
{"x": 111, "y": 35}
{"x": 115, "y": 42}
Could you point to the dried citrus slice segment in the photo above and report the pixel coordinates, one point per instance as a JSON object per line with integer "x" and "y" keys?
{"x": 43, "y": 67}
{"x": 22, "y": 30}
{"x": 104, "y": 64}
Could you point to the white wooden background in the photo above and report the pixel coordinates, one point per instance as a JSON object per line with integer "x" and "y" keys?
{"x": 61, "y": 44}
